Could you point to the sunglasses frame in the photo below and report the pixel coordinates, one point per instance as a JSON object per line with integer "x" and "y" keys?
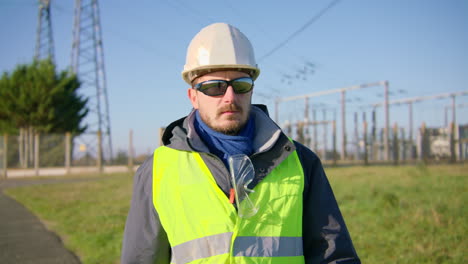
{"x": 198, "y": 86}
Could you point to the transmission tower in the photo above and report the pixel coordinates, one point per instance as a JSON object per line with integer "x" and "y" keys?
{"x": 44, "y": 40}
{"x": 87, "y": 61}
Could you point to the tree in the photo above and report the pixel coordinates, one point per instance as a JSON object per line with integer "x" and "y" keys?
{"x": 35, "y": 98}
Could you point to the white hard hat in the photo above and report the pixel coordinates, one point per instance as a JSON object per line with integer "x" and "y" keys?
{"x": 219, "y": 47}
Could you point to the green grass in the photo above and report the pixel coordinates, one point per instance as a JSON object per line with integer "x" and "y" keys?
{"x": 405, "y": 214}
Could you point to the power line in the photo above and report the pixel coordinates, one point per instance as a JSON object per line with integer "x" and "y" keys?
{"x": 297, "y": 32}
{"x": 196, "y": 15}
{"x": 142, "y": 45}
{"x": 279, "y": 67}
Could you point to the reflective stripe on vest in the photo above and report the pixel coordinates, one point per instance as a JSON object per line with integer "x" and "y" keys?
{"x": 203, "y": 227}
{"x": 268, "y": 246}
{"x": 201, "y": 248}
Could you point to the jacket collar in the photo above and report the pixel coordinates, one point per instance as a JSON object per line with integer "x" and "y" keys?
{"x": 181, "y": 134}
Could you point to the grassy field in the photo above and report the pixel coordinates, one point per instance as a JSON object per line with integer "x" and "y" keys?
{"x": 405, "y": 214}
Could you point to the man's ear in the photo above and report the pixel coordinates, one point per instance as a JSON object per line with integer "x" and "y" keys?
{"x": 192, "y": 95}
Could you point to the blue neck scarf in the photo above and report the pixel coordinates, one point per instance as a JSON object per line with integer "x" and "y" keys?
{"x": 223, "y": 145}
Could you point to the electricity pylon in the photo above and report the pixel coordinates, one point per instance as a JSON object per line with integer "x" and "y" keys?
{"x": 87, "y": 61}
{"x": 44, "y": 39}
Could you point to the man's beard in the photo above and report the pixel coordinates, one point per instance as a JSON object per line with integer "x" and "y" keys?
{"x": 231, "y": 129}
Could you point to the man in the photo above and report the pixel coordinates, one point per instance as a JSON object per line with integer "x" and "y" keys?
{"x": 188, "y": 204}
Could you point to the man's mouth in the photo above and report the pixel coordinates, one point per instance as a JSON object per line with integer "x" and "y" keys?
{"x": 230, "y": 109}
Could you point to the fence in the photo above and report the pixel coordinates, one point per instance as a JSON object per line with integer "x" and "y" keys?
{"x": 439, "y": 144}
{"x": 62, "y": 154}
{"x": 59, "y": 154}
{"x": 323, "y": 121}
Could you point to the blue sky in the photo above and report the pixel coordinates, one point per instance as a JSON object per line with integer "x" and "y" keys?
{"x": 419, "y": 46}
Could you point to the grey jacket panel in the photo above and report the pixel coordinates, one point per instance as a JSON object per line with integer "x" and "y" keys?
{"x": 145, "y": 241}
{"x": 326, "y": 238}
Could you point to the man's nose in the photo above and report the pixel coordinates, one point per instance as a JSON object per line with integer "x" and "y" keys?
{"x": 230, "y": 95}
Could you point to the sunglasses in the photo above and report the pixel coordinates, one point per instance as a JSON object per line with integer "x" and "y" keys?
{"x": 219, "y": 87}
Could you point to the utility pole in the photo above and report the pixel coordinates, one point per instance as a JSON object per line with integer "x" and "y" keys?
{"x": 364, "y": 139}
{"x": 314, "y": 119}
{"x": 387, "y": 103}
{"x": 374, "y": 148}
{"x": 343, "y": 125}
{"x": 44, "y": 37}
{"x": 325, "y": 130}
{"x": 446, "y": 123}
{"x": 410, "y": 106}
{"x": 426, "y": 98}
{"x": 306, "y": 120}
{"x": 356, "y": 137}
{"x": 454, "y": 119}
{"x": 387, "y": 123}
{"x": 87, "y": 61}
{"x": 343, "y": 104}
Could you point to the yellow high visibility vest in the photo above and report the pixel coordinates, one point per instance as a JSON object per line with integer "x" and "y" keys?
{"x": 203, "y": 226}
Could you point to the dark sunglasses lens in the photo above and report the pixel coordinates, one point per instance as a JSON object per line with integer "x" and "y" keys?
{"x": 242, "y": 85}
{"x": 219, "y": 87}
{"x": 213, "y": 88}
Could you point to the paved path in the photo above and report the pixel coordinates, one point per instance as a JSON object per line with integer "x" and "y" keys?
{"x": 23, "y": 238}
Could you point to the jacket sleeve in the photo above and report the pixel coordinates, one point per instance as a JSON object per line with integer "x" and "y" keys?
{"x": 325, "y": 236}
{"x": 145, "y": 240}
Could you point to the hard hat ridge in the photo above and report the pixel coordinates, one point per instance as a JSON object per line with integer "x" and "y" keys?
{"x": 218, "y": 47}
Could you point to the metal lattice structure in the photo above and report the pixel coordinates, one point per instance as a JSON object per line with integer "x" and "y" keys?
{"x": 44, "y": 39}
{"x": 87, "y": 61}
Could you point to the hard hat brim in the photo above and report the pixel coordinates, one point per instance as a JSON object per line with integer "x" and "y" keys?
{"x": 192, "y": 74}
